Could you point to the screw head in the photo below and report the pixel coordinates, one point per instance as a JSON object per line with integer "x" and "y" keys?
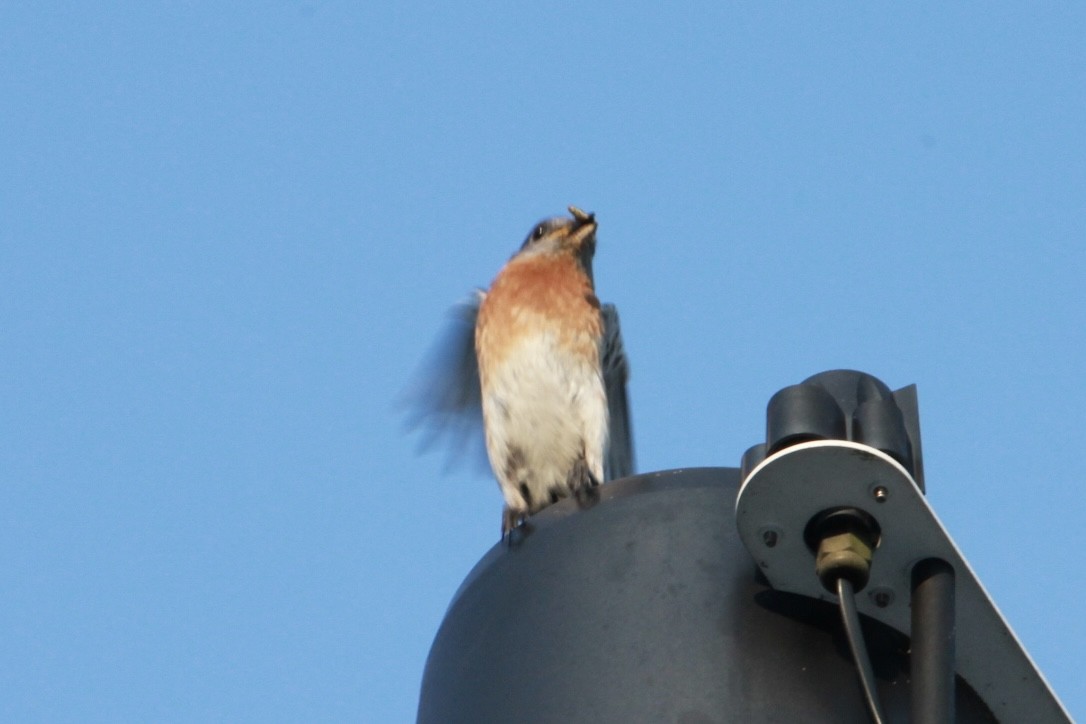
{"x": 882, "y": 597}
{"x": 880, "y": 494}
{"x": 771, "y": 536}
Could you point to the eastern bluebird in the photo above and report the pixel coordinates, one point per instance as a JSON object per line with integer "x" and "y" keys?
{"x": 544, "y": 363}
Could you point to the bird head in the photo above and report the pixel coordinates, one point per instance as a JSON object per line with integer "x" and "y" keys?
{"x": 574, "y": 235}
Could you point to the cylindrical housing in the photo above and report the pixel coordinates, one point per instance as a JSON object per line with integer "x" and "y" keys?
{"x": 800, "y": 413}
{"x": 752, "y": 458}
{"x": 933, "y": 642}
{"x": 879, "y": 423}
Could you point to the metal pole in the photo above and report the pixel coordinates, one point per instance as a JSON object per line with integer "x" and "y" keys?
{"x": 932, "y": 658}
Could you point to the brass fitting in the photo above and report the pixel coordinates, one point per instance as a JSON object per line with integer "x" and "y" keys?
{"x": 845, "y": 555}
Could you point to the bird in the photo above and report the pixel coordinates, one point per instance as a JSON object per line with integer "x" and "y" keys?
{"x": 539, "y": 362}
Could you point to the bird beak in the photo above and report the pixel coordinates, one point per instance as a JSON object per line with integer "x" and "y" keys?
{"x": 583, "y": 232}
{"x": 581, "y": 217}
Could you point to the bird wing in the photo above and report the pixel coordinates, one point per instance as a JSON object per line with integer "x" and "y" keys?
{"x": 619, "y": 461}
{"x": 445, "y": 398}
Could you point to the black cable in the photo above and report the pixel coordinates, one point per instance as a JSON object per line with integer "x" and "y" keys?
{"x": 859, "y": 651}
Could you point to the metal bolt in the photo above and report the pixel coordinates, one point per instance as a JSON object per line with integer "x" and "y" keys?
{"x": 881, "y": 494}
{"x": 882, "y": 597}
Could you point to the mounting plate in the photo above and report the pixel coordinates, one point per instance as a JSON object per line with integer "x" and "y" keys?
{"x": 789, "y": 488}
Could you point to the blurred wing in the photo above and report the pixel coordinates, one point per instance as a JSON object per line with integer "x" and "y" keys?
{"x": 445, "y": 399}
{"x": 620, "y": 451}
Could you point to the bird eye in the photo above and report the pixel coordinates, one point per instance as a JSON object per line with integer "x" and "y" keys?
{"x": 539, "y": 232}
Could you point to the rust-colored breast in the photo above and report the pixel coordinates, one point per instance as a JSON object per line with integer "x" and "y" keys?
{"x": 535, "y": 294}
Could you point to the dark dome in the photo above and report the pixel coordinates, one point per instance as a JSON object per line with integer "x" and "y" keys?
{"x": 646, "y": 607}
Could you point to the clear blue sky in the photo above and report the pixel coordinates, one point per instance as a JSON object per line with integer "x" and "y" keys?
{"x": 229, "y": 234}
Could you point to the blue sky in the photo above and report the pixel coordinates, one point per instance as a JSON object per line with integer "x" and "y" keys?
{"x": 229, "y": 235}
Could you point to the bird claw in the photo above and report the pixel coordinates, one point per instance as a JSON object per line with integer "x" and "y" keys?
{"x": 515, "y": 528}
{"x": 587, "y": 495}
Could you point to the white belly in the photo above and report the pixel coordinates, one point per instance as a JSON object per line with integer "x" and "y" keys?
{"x": 544, "y": 410}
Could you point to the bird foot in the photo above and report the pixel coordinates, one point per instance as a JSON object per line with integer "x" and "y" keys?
{"x": 515, "y": 527}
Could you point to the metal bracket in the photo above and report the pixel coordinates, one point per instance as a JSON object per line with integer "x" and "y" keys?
{"x": 786, "y": 490}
